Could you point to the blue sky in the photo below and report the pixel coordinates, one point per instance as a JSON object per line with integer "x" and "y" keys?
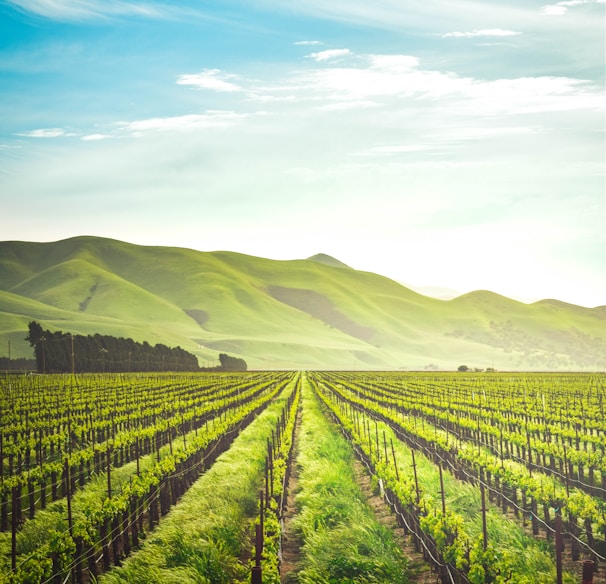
{"x": 437, "y": 143}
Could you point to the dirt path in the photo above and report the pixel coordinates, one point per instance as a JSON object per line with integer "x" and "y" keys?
{"x": 420, "y": 571}
{"x": 290, "y": 542}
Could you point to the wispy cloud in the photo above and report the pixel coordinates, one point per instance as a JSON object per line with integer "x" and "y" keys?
{"x": 488, "y": 32}
{"x": 95, "y": 137}
{"x": 213, "y": 79}
{"x": 329, "y": 55}
{"x": 376, "y": 81}
{"x": 185, "y": 123}
{"x": 561, "y": 8}
{"x": 45, "y": 133}
{"x": 67, "y": 10}
{"x": 383, "y": 77}
{"x": 188, "y": 123}
{"x": 308, "y": 43}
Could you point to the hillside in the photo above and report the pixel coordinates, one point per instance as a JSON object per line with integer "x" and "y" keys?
{"x": 314, "y": 314}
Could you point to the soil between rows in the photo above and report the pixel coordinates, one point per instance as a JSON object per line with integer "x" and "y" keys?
{"x": 419, "y": 571}
{"x": 291, "y": 544}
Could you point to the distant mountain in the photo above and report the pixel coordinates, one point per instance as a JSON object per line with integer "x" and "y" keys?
{"x": 316, "y": 313}
{"x": 327, "y": 260}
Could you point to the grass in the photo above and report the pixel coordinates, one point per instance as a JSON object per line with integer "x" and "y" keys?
{"x": 342, "y": 540}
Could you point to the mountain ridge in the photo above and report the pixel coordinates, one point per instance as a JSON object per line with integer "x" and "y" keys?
{"x": 329, "y": 260}
{"x": 281, "y": 313}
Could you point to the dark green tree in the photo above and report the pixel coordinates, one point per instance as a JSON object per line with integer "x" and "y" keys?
{"x": 229, "y": 363}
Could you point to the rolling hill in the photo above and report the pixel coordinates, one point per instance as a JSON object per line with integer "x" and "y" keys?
{"x": 316, "y": 313}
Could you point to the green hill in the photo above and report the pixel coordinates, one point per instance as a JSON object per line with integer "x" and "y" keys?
{"x": 316, "y": 313}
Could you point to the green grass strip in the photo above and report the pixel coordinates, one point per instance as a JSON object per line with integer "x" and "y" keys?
{"x": 204, "y": 536}
{"x": 342, "y": 540}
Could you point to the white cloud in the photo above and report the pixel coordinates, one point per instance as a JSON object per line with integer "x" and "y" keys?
{"x": 402, "y": 76}
{"x": 186, "y": 123}
{"x": 554, "y": 10}
{"x": 45, "y": 133}
{"x": 213, "y": 79}
{"x": 329, "y": 55}
{"x": 168, "y": 124}
{"x": 95, "y": 137}
{"x": 561, "y": 8}
{"x": 489, "y": 32}
{"x": 308, "y": 43}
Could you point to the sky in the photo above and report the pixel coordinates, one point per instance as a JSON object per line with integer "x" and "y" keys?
{"x": 439, "y": 143}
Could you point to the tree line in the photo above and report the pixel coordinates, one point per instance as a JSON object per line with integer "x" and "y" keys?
{"x": 18, "y": 364}
{"x": 229, "y": 363}
{"x": 59, "y": 352}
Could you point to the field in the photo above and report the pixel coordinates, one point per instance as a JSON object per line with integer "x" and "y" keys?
{"x": 257, "y": 477}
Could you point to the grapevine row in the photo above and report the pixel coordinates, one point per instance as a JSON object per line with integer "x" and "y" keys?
{"x": 104, "y": 531}
{"x": 457, "y": 547}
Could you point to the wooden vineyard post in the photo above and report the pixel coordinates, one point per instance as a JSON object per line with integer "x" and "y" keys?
{"x": 414, "y": 469}
{"x": 104, "y": 545}
{"x": 261, "y": 517}
{"x": 566, "y": 473}
{"x": 534, "y": 518}
{"x": 158, "y": 440}
{"x": 109, "y": 476}
{"x": 69, "y": 498}
{"x": 442, "y": 491}
{"x": 588, "y": 568}
{"x": 257, "y": 575}
{"x": 78, "y": 575}
{"x": 559, "y": 546}
{"x": 266, "y": 479}
{"x": 270, "y": 465}
{"x": 14, "y": 529}
{"x": 529, "y": 453}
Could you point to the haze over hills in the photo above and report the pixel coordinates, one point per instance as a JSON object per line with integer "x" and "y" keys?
{"x": 439, "y": 292}
{"x": 315, "y": 313}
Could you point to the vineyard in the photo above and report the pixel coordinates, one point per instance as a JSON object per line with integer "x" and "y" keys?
{"x": 255, "y": 477}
